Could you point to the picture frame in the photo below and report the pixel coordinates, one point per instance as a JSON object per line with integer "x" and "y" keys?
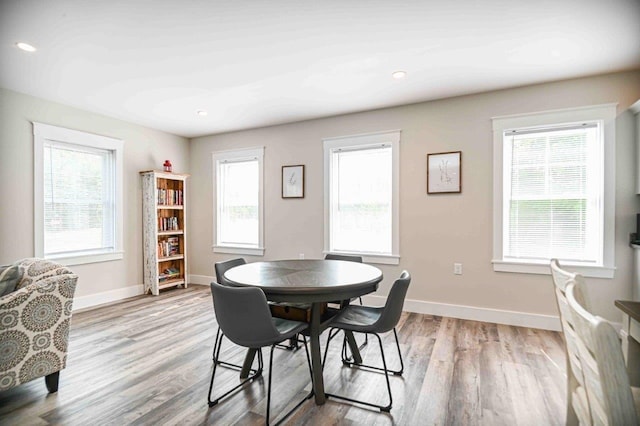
{"x": 293, "y": 181}
{"x": 444, "y": 172}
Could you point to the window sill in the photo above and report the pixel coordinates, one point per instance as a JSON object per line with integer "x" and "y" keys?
{"x": 251, "y": 251}
{"x": 70, "y": 260}
{"x": 544, "y": 269}
{"x": 380, "y": 259}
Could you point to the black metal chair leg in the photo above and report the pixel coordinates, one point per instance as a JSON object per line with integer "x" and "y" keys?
{"x": 366, "y": 341}
{"x": 345, "y": 356}
{"x": 257, "y": 373}
{"x": 291, "y": 346}
{"x": 384, "y": 408}
{"x": 216, "y": 359}
{"x": 269, "y": 383}
{"x": 215, "y": 346}
{"x": 386, "y": 376}
{"x": 288, "y": 413}
{"x": 398, "y": 372}
{"x": 348, "y": 360}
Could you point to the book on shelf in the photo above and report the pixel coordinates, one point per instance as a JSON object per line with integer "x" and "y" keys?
{"x": 169, "y": 247}
{"x": 168, "y": 224}
{"x": 170, "y": 197}
{"x": 169, "y": 274}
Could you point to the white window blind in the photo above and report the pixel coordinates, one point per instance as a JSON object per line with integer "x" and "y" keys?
{"x": 239, "y": 218}
{"x": 553, "y": 196}
{"x": 361, "y": 206}
{"x": 362, "y": 174}
{"x": 554, "y": 190}
{"x": 79, "y": 207}
{"x": 238, "y": 203}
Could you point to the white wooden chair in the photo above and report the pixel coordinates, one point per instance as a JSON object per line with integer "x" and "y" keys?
{"x": 611, "y": 400}
{"x": 577, "y": 402}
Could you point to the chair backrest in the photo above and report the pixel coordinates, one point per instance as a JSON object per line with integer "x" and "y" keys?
{"x": 561, "y": 278}
{"x": 393, "y": 307}
{"x": 607, "y": 383}
{"x": 222, "y": 267}
{"x": 243, "y": 315}
{"x": 331, "y": 256}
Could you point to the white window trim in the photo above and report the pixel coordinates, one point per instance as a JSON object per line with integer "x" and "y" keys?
{"x": 239, "y": 154}
{"x": 604, "y": 113}
{"x": 42, "y": 133}
{"x": 391, "y": 137}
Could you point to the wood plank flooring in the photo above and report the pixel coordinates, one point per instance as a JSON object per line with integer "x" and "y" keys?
{"x": 147, "y": 361}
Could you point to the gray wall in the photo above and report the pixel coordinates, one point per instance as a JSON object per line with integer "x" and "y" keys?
{"x": 435, "y": 231}
{"x": 144, "y": 149}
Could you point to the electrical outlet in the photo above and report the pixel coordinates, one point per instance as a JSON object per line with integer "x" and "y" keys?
{"x": 457, "y": 268}
{"x": 301, "y": 256}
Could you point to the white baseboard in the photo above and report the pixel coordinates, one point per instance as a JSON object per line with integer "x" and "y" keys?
{"x": 92, "y": 300}
{"x": 521, "y": 319}
{"x": 201, "y": 279}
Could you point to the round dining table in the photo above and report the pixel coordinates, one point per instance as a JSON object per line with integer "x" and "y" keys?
{"x": 309, "y": 281}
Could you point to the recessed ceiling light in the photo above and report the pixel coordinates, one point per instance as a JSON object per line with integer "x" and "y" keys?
{"x": 399, "y": 75}
{"x": 26, "y": 47}
{"x": 202, "y": 113}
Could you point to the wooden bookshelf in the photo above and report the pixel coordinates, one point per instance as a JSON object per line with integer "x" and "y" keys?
{"x": 164, "y": 230}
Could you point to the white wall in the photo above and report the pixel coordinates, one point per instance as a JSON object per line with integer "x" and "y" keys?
{"x": 436, "y": 230}
{"x": 144, "y": 149}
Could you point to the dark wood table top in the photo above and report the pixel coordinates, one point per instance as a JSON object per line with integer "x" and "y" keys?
{"x": 630, "y": 308}
{"x": 307, "y": 280}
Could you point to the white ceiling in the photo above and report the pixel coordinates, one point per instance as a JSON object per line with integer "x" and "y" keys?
{"x": 253, "y": 63}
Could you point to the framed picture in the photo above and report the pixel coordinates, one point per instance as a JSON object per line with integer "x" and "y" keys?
{"x": 444, "y": 172}
{"x": 293, "y": 181}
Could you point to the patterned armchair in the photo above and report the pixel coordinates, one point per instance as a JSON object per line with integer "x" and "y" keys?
{"x": 34, "y": 324}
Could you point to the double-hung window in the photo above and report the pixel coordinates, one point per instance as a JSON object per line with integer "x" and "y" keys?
{"x": 554, "y": 191}
{"x": 361, "y": 196}
{"x": 78, "y": 195}
{"x": 239, "y": 215}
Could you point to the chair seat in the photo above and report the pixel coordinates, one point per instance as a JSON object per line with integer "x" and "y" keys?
{"x": 288, "y": 328}
{"x": 357, "y": 318}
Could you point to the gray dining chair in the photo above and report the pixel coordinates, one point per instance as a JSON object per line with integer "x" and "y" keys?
{"x": 372, "y": 320}
{"x": 244, "y": 318}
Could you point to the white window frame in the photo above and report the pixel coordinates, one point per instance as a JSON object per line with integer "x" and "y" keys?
{"x": 256, "y": 153}
{"x": 46, "y": 132}
{"x": 392, "y": 138}
{"x": 605, "y": 115}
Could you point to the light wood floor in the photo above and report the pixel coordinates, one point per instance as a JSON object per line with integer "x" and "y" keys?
{"x": 147, "y": 361}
